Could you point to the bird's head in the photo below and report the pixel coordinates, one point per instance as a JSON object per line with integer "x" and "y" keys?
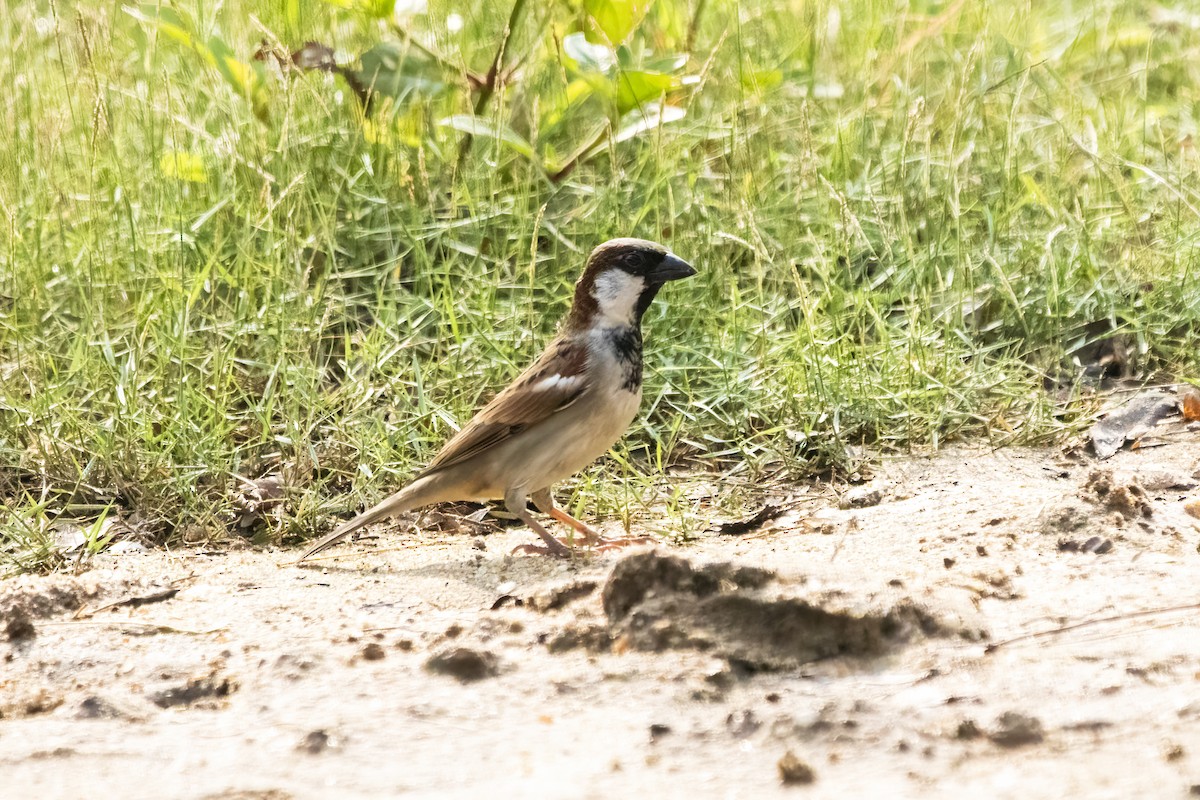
{"x": 621, "y": 279}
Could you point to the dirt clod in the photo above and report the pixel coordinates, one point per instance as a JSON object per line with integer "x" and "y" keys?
{"x": 39, "y": 701}
{"x": 640, "y": 575}
{"x": 48, "y": 596}
{"x": 592, "y": 637}
{"x": 967, "y": 729}
{"x": 1102, "y": 513}
{"x": 793, "y": 771}
{"x": 1127, "y": 498}
{"x": 555, "y": 597}
{"x": 1014, "y": 729}
{"x": 373, "y": 651}
{"x": 465, "y": 663}
{"x": 1094, "y": 544}
{"x": 748, "y": 616}
{"x": 99, "y": 707}
{"x": 196, "y": 691}
{"x": 315, "y": 742}
{"x": 19, "y": 626}
{"x": 861, "y": 497}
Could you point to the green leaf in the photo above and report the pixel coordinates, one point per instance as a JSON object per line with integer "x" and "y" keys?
{"x": 636, "y": 88}
{"x": 576, "y": 93}
{"x": 616, "y": 19}
{"x": 395, "y": 70}
{"x": 485, "y": 129}
{"x": 241, "y": 75}
{"x": 168, "y": 22}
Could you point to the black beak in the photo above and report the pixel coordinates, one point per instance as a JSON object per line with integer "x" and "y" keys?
{"x": 671, "y": 268}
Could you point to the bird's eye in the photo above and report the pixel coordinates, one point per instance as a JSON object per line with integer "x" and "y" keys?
{"x": 634, "y": 260}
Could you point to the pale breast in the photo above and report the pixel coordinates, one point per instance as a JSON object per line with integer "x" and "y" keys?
{"x": 578, "y": 436}
{"x": 584, "y": 431}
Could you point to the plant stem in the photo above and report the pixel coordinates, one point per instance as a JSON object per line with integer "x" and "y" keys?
{"x": 488, "y": 86}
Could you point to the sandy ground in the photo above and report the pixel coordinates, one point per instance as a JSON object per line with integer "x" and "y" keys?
{"x": 834, "y": 652}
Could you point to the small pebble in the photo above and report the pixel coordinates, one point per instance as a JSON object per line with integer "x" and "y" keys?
{"x": 793, "y": 771}
{"x": 861, "y": 497}
{"x": 315, "y": 742}
{"x": 464, "y": 663}
{"x": 1014, "y": 729}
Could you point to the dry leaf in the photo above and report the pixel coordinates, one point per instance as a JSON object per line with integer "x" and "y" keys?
{"x": 1190, "y": 401}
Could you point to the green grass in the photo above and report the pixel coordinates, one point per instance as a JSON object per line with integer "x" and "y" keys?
{"x": 905, "y": 222}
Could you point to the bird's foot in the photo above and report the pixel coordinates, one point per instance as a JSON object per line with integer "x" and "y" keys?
{"x": 552, "y": 546}
{"x": 604, "y": 545}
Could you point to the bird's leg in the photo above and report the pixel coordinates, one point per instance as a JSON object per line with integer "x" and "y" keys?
{"x": 516, "y": 505}
{"x": 591, "y": 537}
{"x": 545, "y": 504}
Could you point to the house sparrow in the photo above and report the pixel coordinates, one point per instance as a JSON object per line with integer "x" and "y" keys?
{"x": 560, "y": 414}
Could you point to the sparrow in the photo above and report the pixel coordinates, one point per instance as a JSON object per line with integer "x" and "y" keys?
{"x": 561, "y": 414}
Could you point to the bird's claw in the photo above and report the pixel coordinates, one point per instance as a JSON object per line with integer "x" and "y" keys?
{"x": 604, "y": 545}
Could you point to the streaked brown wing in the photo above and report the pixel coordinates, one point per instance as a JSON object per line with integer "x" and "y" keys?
{"x": 552, "y": 383}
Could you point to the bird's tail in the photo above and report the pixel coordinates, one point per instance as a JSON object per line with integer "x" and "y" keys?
{"x": 421, "y": 492}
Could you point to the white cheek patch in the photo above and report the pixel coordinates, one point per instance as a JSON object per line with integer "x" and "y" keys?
{"x": 617, "y": 294}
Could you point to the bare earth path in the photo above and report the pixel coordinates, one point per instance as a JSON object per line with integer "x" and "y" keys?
{"x": 434, "y": 668}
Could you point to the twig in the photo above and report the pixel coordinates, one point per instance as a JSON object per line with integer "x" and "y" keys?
{"x": 488, "y": 86}
{"x": 134, "y": 601}
{"x": 991, "y": 648}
